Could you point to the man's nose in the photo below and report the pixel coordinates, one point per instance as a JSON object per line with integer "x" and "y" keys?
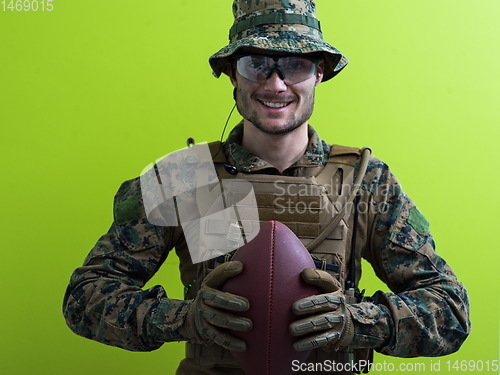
{"x": 275, "y": 83}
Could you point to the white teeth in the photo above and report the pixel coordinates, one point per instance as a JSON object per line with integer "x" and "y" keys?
{"x": 275, "y": 105}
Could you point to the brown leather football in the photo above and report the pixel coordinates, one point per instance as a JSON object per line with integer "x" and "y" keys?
{"x": 272, "y": 263}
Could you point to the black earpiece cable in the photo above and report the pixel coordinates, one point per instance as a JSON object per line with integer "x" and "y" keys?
{"x": 224, "y": 130}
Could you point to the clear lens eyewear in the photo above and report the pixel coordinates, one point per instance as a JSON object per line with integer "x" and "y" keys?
{"x": 291, "y": 69}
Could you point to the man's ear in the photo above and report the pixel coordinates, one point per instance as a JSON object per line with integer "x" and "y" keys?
{"x": 320, "y": 69}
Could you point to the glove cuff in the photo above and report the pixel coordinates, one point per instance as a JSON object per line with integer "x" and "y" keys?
{"x": 188, "y": 328}
{"x": 348, "y": 332}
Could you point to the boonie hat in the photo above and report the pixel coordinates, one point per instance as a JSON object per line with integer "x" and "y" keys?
{"x": 287, "y": 26}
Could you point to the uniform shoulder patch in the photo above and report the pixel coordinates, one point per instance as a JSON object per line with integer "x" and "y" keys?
{"x": 418, "y": 221}
{"x": 128, "y": 202}
{"x": 127, "y": 210}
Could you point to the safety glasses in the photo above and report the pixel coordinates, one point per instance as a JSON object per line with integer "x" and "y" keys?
{"x": 291, "y": 69}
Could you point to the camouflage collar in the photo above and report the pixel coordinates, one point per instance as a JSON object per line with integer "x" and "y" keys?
{"x": 316, "y": 153}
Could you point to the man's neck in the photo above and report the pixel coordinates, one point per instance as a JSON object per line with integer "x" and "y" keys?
{"x": 280, "y": 150}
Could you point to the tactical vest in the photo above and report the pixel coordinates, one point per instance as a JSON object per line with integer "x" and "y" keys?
{"x": 306, "y": 205}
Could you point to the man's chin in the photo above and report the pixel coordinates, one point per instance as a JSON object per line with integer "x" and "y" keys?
{"x": 273, "y": 128}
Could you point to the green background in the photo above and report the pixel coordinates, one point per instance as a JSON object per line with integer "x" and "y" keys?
{"x": 93, "y": 91}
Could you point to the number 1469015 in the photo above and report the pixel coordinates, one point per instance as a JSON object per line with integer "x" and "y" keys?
{"x": 27, "y": 5}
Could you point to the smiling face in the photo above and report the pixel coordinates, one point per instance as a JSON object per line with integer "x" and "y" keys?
{"x": 273, "y": 106}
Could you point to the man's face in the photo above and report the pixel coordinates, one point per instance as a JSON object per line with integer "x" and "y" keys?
{"x": 273, "y": 106}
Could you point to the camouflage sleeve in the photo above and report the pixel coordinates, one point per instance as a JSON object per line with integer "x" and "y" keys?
{"x": 427, "y": 313}
{"x": 105, "y": 301}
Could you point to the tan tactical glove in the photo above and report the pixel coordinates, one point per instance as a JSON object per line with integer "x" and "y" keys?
{"x": 329, "y": 323}
{"x": 209, "y": 310}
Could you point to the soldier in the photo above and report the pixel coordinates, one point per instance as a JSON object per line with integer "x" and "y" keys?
{"x": 275, "y": 59}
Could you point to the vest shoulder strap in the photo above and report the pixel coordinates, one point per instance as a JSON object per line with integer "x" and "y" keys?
{"x": 218, "y": 155}
{"x": 339, "y": 157}
{"x": 337, "y": 150}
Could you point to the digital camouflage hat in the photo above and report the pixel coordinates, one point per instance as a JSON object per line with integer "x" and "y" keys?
{"x": 279, "y": 25}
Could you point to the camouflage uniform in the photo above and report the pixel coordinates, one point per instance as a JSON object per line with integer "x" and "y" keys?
{"x": 425, "y": 315}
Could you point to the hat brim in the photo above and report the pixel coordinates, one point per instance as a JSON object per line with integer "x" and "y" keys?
{"x": 282, "y": 41}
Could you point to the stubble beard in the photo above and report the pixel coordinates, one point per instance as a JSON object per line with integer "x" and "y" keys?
{"x": 294, "y": 122}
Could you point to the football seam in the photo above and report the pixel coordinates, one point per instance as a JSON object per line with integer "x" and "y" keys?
{"x": 271, "y": 287}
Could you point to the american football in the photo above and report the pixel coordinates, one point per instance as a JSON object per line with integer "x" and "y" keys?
{"x": 272, "y": 263}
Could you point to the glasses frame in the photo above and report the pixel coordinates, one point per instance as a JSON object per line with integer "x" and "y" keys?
{"x": 276, "y": 66}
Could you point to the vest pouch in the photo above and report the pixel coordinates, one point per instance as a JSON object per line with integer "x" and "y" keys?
{"x": 333, "y": 250}
{"x": 336, "y": 180}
